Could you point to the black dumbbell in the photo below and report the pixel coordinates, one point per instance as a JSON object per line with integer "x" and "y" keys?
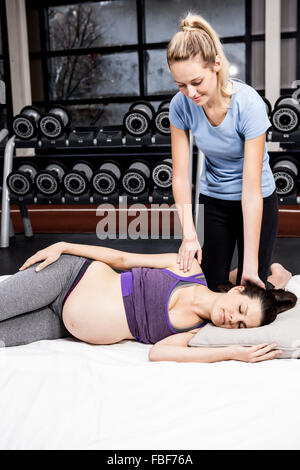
{"x": 161, "y": 119}
{"x": 268, "y": 106}
{"x": 25, "y": 124}
{"x": 136, "y": 177}
{"x": 138, "y": 120}
{"x": 285, "y": 116}
{"x": 105, "y": 180}
{"x": 285, "y": 171}
{"x": 281, "y": 98}
{"x": 49, "y": 181}
{"x": 162, "y": 174}
{"x": 53, "y": 124}
{"x": 77, "y": 180}
{"x": 21, "y": 181}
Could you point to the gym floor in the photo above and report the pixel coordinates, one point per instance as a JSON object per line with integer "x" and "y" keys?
{"x": 286, "y": 250}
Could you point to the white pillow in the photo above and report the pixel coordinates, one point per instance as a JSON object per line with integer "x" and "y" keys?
{"x": 4, "y": 277}
{"x": 284, "y": 331}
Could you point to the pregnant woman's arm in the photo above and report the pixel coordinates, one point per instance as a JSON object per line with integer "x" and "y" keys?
{"x": 117, "y": 259}
{"x": 175, "y": 348}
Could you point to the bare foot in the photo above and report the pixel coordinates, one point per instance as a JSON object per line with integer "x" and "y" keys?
{"x": 280, "y": 276}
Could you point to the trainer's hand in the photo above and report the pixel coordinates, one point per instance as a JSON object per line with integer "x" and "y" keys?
{"x": 260, "y": 352}
{"x": 48, "y": 255}
{"x": 186, "y": 253}
{"x": 251, "y": 278}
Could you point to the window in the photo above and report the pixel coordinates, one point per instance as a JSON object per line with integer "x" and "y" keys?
{"x": 98, "y": 57}
{"x": 288, "y": 44}
{"x": 289, "y": 38}
{"x": 163, "y": 18}
{"x": 3, "y": 93}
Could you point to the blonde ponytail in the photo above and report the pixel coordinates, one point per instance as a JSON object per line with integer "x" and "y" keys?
{"x": 198, "y": 37}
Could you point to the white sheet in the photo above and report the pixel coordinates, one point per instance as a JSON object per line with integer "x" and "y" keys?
{"x": 65, "y": 394}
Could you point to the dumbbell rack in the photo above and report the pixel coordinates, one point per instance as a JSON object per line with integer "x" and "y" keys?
{"x": 291, "y": 143}
{"x": 80, "y": 138}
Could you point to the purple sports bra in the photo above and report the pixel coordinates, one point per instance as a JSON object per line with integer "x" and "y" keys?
{"x": 146, "y": 293}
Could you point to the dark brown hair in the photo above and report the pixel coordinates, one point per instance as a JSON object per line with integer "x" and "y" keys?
{"x": 273, "y": 301}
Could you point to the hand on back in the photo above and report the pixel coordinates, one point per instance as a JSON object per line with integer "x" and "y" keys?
{"x": 186, "y": 253}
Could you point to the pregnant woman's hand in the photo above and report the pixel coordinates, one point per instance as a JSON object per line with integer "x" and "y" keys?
{"x": 47, "y": 255}
{"x": 186, "y": 253}
{"x": 260, "y": 352}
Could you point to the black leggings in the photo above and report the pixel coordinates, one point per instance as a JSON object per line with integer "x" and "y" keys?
{"x": 223, "y": 228}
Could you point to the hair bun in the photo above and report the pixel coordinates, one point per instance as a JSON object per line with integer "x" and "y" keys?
{"x": 189, "y": 24}
{"x": 283, "y": 298}
{"x": 188, "y": 27}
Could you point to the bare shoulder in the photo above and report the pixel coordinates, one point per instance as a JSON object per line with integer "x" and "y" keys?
{"x": 195, "y": 269}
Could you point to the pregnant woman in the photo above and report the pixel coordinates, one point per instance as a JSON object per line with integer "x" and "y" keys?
{"x": 70, "y": 289}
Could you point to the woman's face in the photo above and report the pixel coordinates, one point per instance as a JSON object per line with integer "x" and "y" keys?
{"x": 194, "y": 80}
{"x": 235, "y": 310}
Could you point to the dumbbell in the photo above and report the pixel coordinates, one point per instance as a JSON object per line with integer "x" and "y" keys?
{"x": 138, "y": 120}
{"x": 162, "y": 174}
{"x": 49, "y": 181}
{"x": 161, "y": 119}
{"x": 135, "y": 179}
{"x": 285, "y": 116}
{"x": 105, "y": 180}
{"x": 281, "y": 98}
{"x": 21, "y": 181}
{"x": 53, "y": 124}
{"x": 285, "y": 173}
{"x": 77, "y": 180}
{"x": 25, "y": 124}
{"x": 268, "y": 106}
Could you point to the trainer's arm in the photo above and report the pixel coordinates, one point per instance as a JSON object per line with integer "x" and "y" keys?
{"x": 180, "y": 181}
{"x": 252, "y": 207}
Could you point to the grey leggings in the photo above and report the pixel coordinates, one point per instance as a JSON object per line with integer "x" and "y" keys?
{"x": 31, "y": 302}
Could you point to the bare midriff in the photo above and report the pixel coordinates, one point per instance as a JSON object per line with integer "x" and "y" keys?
{"x": 94, "y": 311}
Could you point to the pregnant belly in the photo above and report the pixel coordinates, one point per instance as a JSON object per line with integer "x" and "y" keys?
{"x": 94, "y": 311}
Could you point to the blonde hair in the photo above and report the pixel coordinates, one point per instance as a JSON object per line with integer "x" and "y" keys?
{"x": 198, "y": 37}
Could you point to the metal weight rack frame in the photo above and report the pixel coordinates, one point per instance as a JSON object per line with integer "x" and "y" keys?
{"x": 79, "y": 138}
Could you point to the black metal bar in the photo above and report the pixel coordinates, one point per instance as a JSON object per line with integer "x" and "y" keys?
{"x": 44, "y": 38}
{"x": 33, "y": 4}
{"x": 7, "y": 77}
{"x": 142, "y": 47}
{"x": 109, "y": 99}
{"x": 140, "y": 12}
{"x": 248, "y": 27}
{"x": 298, "y": 41}
{"x": 83, "y": 51}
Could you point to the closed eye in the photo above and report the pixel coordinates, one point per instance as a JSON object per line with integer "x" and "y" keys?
{"x": 242, "y": 324}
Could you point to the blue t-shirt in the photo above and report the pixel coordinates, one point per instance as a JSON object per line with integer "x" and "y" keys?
{"x": 223, "y": 145}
